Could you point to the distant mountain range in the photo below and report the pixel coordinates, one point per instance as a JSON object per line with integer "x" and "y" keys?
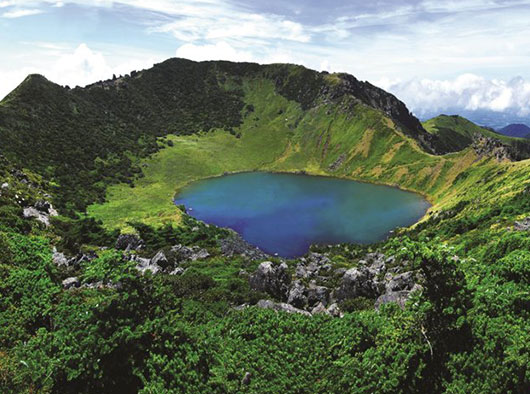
{"x": 516, "y": 130}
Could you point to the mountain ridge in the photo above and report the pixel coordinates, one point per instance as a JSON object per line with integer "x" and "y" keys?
{"x": 516, "y": 130}
{"x": 50, "y": 128}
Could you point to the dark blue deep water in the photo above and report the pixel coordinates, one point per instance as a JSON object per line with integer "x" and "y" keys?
{"x": 286, "y": 213}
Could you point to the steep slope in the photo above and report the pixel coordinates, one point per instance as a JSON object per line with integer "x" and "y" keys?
{"x": 516, "y": 130}
{"x": 97, "y": 132}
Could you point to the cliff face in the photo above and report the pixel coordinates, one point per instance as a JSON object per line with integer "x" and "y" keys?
{"x": 381, "y": 100}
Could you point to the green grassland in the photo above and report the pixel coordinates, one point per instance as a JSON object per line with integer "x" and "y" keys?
{"x": 277, "y": 135}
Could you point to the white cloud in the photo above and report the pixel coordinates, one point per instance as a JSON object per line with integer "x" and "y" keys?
{"x": 214, "y": 24}
{"x": 218, "y": 51}
{"x": 77, "y": 67}
{"x": 468, "y": 92}
{"x": 21, "y": 13}
{"x": 224, "y": 51}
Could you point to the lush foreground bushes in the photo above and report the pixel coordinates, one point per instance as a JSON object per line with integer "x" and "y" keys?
{"x": 180, "y": 334}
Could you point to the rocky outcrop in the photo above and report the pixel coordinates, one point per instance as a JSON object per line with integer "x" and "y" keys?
{"x": 271, "y": 278}
{"x": 280, "y": 307}
{"x": 314, "y": 286}
{"x": 184, "y": 253}
{"x": 160, "y": 261}
{"x": 365, "y": 279}
{"x": 168, "y": 260}
{"x": 71, "y": 282}
{"x": 69, "y": 263}
{"x": 234, "y": 245}
{"x": 59, "y": 259}
{"x": 385, "y": 102}
{"x": 42, "y": 211}
{"x": 399, "y": 297}
{"x": 129, "y": 242}
{"x": 297, "y": 295}
{"x": 143, "y": 265}
{"x": 404, "y": 281}
{"x": 522, "y": 225}
{"x": 315, "y": 265}
{"x": 491, "y": 147}
{"x": 357, "y": 282}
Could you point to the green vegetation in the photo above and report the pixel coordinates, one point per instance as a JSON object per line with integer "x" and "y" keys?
{"x": 467, "y": 331}
{"x": 458, "y": 132}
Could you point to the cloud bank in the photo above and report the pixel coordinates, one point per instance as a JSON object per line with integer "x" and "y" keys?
{"x": 468, "y": 92}
{"x": 74, "y": 67}
{"x": 417, "y": 49}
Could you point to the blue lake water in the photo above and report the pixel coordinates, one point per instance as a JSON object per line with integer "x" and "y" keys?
{"x": 286, "y": 213}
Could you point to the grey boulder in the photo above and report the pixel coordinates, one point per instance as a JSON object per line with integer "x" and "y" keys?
{"x": 272, "y": 279}
{"x": 280, "y": 307}
{"x": 129, "y": 242}
{"x": 71, "y": 282}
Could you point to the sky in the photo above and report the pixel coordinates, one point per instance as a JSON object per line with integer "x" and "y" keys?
{"x": 436, "y": 56}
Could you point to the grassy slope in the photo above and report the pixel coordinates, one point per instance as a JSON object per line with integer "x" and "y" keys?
{"x": 458, "y": 131}
{"x": 280, "y": 136}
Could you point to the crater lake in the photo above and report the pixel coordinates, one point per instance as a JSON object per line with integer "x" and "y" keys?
{"x": 284, "y": 214}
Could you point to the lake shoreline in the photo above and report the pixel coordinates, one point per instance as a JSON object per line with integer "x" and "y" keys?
{"x": 305, "y": 209}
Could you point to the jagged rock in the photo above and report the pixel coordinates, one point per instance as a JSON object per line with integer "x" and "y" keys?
{"x": 357, "y": 282}
{"x": 340, "y": 271}
{"x": 319, "y": 308}
{"x": 492, "y": 147}
{"x": 400, "y": 297}
{"x": 46, "y": 207}
{"x": 32, "y": 212}
{"x": 177, "y": 271}
{"x": 66, "y": 262}
{"x": 93, "y": 285}
{"x": 42, "y": 211}
{"x": 144, "y": 265}
{"x": 404, "y": 281}
{"x": 160, "y": 259}
{"x": 235, "y": 245}
{"x": 334, "y": 310}
{"x": 301, "y": 271}
{"x": 377, "y": 263}
{"x": 272, "y": 279}
{"x": 129, "y": 242}
{"x": 317, "y": 295}
{"x": 59, "y": 259}
{"x": 312, "y": 266}
{"x": 522, "y": 225}
{"x": 281, "y": 307}
{"x": 184, "y": 253}
{"x": 71, "y": 282}
{"x": 297, "y": 295}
